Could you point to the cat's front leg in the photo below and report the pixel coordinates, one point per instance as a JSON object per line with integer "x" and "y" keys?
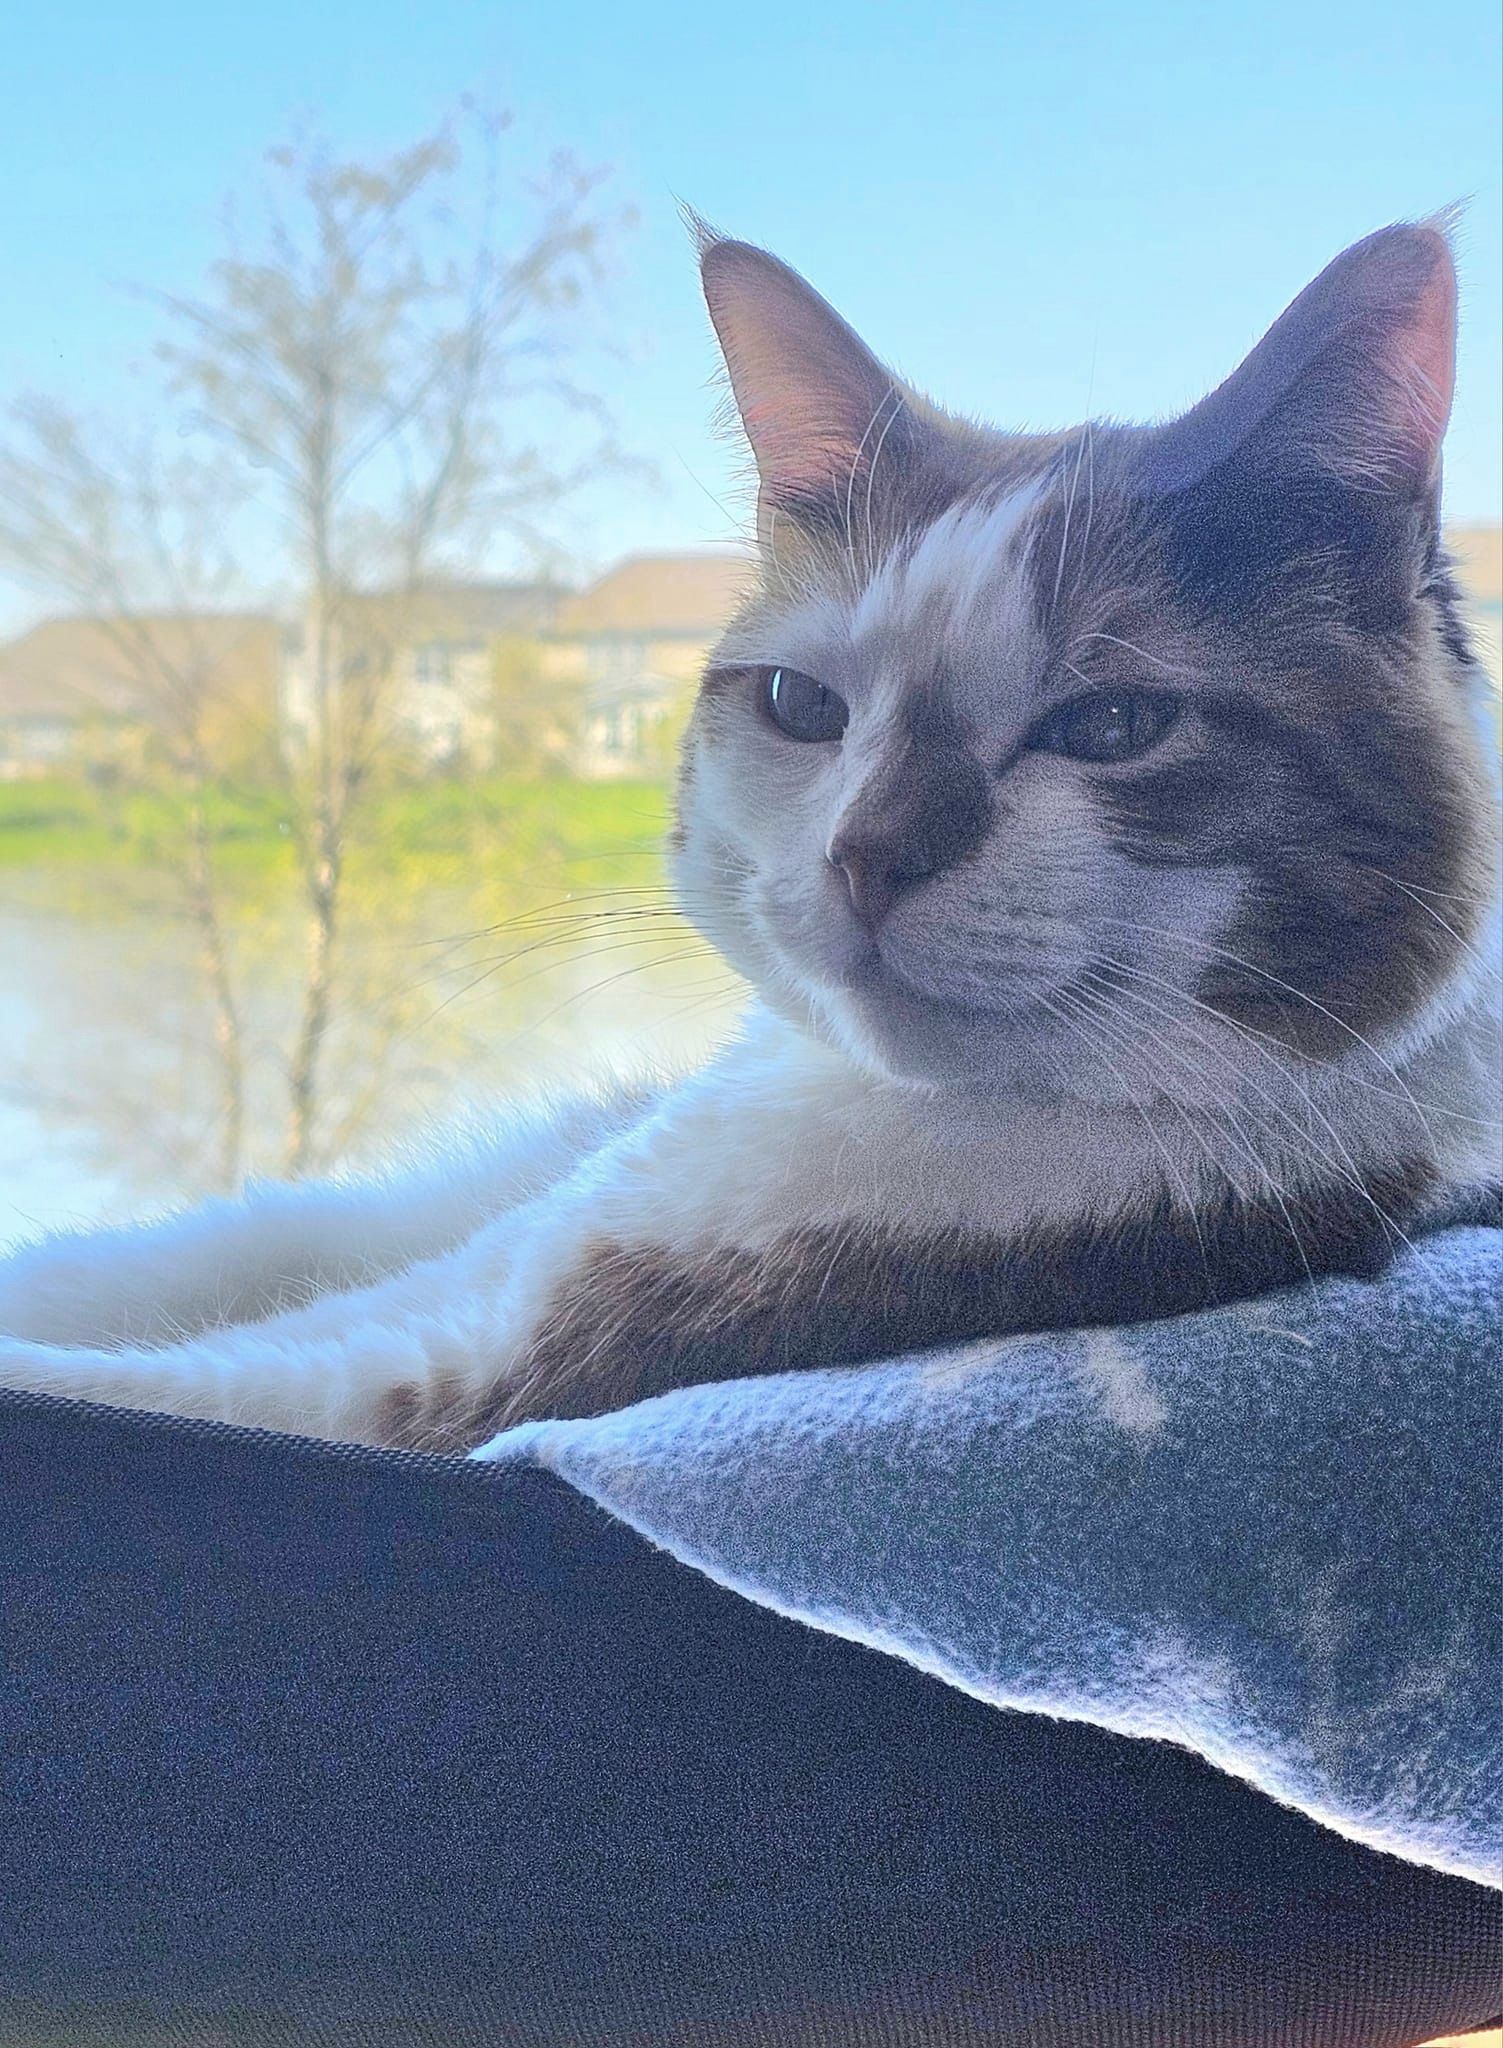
{"x": 779, "y": 1211}
{"x": 277, "y": 1246}
{"x": 330, "y": 1370}
{"x": 782, "y": 1211}
{"x": 431, "y": 1354}
{"x": 663, "y": 1256}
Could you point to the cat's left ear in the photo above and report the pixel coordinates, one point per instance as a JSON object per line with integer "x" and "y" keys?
{"x": 1351, "y": 385}
{"x": 817, "y": 406}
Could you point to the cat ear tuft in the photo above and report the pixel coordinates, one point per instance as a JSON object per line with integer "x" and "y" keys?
{"x": 812, "y": 397}
{"x": 1352, "y": 383}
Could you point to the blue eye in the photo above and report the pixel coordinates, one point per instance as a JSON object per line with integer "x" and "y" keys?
{"x": 801, "y": 707}
{"x": 1106, "y": 725}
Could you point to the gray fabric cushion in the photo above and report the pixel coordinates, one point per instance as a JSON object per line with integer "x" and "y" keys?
{"x": 320, "y": 1746}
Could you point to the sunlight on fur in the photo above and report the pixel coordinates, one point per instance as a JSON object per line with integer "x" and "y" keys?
{"x": 1107, "y": 823}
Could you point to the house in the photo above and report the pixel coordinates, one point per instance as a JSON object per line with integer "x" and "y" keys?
{"x": 1478, "y": 554}
{"x": 483, "y": 676}
{"x": 460, "y": 675}
{"x": 92, "y": 693}
{"x": 428, "y": 661}
{"x": 632, "y": 646}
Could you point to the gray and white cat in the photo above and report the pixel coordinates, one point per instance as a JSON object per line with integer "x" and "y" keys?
{"x": 1108, "y": 824}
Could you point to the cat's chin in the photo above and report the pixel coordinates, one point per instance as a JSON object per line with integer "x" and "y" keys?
{"x": 861, "y": 1008}
{"x": 901, "y": 1035}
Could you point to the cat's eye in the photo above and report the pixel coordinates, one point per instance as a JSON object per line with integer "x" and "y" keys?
{"x": 1106, "y": 725}
{"x": 801, "y": 707}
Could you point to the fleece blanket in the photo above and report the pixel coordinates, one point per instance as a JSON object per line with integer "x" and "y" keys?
{"x": 1272, "y": 1532}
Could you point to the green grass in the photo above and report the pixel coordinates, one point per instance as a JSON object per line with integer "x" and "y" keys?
{"x": 429, "y": 830}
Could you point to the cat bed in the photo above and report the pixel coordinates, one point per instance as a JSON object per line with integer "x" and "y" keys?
{"x": 309, "y": 1744}
{"x": 1271, "y": 1533}
{"x": 308, "y": 1747}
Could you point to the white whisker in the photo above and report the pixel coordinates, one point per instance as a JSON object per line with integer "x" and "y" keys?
{"x": 850, "y": 482}
{"x": 871, "y": 478}
{"x": 1192, "y": 1207}
{"x": 1349, "y": 1172}
{"x": 1266, "y": 1180}
{"x": 1157, "y": 661}
{"x": 1251, "y": 967}
{"x": 1490, "y": 965}
{"x": 1064, "y": 538}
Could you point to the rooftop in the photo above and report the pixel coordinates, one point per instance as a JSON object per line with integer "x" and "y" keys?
{"x": 454, "y": 609}
{"x": 692, "y": 595}
{"x": 1479, "y": 561}
{"x": 116, "y": 667}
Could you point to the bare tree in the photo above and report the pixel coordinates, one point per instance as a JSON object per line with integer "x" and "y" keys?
{"x": 368, "y": 356}
{"x": 377, "y": 369}
{"x": 537, "y": 713}
{"x": 137, "y": 546}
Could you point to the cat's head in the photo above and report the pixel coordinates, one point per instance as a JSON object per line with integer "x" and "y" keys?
{"x": 1030, "y": 745}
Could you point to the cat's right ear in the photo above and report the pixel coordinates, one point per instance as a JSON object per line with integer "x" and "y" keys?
{"x": 817, "y": 407}
{"x": 1352, "y": 383}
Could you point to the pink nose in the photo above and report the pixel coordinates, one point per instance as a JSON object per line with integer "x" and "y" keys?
{"x": 877, "y": 872}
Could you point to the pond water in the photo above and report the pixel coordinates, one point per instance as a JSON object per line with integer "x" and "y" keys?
{"x": 448, "y": 1001}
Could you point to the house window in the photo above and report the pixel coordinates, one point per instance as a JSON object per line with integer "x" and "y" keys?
{"x": 616, "y": 731}
{"x": 617, "y": 658}
{"x": 431, "y": 667}
{"x": 44, "y": 740}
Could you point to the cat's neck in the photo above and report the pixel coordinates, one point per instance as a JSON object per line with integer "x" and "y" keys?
{"x": 1006, "y": 1160}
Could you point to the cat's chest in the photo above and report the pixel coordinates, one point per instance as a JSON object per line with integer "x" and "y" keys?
{"x": 776, "y": 1218}
{"x": 631, "y": 1320}
{"x": 751, "y": 1170}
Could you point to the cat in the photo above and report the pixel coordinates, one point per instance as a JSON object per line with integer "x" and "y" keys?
{"x": 1107, "y": 823}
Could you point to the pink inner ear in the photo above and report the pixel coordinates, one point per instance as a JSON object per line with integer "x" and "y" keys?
{"x": 1356, "y": 373}
{"x": 1422, "y": 361}
{"x": 800, "y": 447}
{"x": 807, "y": 389}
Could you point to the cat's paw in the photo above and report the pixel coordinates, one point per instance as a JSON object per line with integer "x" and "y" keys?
{"x": 107, "y": 1288}
{"x": 61, "y": 1371}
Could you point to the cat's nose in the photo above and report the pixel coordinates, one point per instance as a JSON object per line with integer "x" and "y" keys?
{"x": 878, "y": 871}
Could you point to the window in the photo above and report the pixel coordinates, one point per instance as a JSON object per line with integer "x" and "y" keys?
{"x": 618, "y": 659}
{"x": 432, "y": 665}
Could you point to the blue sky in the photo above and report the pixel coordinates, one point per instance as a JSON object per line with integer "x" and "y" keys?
{"x": 1029, "y": 210}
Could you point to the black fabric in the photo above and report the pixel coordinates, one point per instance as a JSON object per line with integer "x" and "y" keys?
{"x": 304, "y": 1745}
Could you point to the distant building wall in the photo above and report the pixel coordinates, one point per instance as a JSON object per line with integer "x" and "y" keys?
{"x": 89, "y": 694}
{"x": 425, "y": 661}
{"x": 1478, "y": 554}
{"x": 632, "y": 646}
{"x": 31, "y": 746}
{"x": 634, "y": 690}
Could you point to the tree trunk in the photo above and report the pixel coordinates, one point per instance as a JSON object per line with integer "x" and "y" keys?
{"x": 323, "y": 869}
{"x": 318, "y": 981}
{"x": 203, "y": 907}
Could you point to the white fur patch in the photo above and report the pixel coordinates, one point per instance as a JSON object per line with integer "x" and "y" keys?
{"x": 1119, "y": 1380}
{"x": 959, "y": 570}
